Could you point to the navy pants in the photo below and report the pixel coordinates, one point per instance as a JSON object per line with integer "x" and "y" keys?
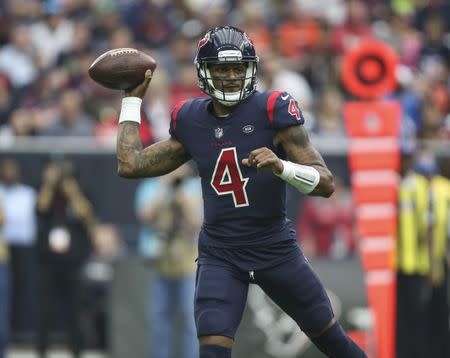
{"x": 221, "y": 294}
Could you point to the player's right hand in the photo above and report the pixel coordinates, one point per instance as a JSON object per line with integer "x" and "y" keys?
{"x": 140, "y": 89}
{"x": 263, "y": 158}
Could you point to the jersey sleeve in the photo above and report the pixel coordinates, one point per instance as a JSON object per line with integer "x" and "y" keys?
{"x": 174, "y": 119}
{"x": 283, "y": 110}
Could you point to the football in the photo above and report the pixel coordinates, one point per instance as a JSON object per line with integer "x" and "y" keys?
{"x": 121, "y": 68}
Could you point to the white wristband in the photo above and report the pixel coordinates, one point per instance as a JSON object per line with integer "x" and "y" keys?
{"x": 303, "y": 177}
{"x": 131, "y": 110}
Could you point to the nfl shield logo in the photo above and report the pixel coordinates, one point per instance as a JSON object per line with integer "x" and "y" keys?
{"x": 218, "y": 132}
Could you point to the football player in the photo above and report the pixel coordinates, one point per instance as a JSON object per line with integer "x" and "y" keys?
{"x": 247, "y": 146}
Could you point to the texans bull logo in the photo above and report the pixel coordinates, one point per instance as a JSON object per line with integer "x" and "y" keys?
{"x": 203, "y": 41}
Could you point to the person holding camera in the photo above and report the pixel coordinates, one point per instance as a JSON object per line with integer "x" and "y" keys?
{"x": 169, "y": 211}
{"x": 65, "y": 219}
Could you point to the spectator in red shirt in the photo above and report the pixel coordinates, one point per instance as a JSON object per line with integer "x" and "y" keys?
{"x": 355, "y": 29}
{"x": 326, "y": 227}
{"x": 299, "y": 33}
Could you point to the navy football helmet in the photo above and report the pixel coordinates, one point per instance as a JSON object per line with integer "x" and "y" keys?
{"x": 226, "y": 44}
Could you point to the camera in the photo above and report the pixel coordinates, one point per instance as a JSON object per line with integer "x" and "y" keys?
{"x": 177, "y": 182}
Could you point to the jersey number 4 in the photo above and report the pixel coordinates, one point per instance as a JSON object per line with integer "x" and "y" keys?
{"x": 227, "y": 177}
{"x": 294, "y": 110}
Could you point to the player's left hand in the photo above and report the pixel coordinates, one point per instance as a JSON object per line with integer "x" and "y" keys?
{"x": 264, "y": 158}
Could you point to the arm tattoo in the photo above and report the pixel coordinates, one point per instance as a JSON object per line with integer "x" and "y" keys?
{"x": 299, "y": 149}
{"x": 155, "y": 160}
{"x": 163, "y": 156}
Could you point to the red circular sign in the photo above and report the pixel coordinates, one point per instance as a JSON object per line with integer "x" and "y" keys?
{"x": 371, "y": 69}
{"x": 368, "y": 70}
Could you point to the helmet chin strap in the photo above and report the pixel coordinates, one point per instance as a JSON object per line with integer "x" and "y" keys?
{"x": 227, "y": 98}
{"x": 227, "y": 103}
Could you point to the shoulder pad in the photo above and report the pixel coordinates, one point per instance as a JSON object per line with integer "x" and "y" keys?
{"x": 174, "y": 114}
{"x": 283, "y": 110}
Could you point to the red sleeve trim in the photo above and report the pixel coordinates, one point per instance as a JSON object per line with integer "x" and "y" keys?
{"x": 271, "y": 104}
{"x": 175, "y": 111}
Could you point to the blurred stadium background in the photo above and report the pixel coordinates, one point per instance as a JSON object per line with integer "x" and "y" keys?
{"x": 50, "y": 109}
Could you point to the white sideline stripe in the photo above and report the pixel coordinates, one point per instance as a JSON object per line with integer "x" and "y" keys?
{"x": 376, "y": 244}
{"x": 374, "y": 144}
{"x": 375, "y": 177}
{"x": 379, "y": 277}
{"x": 372, "y": 211}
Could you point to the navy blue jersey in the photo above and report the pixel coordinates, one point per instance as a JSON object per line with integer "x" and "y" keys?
{"x": 242, "y": 206}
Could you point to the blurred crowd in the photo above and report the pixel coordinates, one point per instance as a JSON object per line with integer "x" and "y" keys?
{"x": 55, "y": 260}
{"x": 47, "y": 46}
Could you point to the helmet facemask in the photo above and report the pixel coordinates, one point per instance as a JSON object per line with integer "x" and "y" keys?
{"x": 248, "y": 82}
